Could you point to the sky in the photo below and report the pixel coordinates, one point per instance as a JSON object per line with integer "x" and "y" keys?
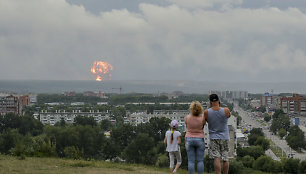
{"x": 202, "y": 40}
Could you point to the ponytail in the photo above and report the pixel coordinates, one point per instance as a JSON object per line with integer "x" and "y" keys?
{"x": 172, "y": 135}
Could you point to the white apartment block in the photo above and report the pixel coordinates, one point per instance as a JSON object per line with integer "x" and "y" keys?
{"x": 143, "y": 117}
{"x": 54, "y": 117}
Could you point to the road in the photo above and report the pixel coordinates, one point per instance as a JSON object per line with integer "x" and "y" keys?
{"x": 251, "y": 122}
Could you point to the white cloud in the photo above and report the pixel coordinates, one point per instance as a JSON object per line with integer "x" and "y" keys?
{"x": 224, "y": 4}
{"x": 55, "y": 40}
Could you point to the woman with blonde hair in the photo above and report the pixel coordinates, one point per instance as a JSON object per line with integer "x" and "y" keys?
{"x": 195, "y": 145}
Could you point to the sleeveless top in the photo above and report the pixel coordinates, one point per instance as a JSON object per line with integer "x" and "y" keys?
{"x": 194, "y": 126}
{"x": 217, "y": 124}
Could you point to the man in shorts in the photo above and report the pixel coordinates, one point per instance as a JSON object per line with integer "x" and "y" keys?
{"x": 217, "y": 118}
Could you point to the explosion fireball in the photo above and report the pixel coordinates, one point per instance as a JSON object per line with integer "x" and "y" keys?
{"x": 102, "y": 70}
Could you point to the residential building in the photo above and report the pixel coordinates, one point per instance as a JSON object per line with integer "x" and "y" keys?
{"x": 54, "y": 117}
{"x": 25, "y": 100}
{"x": 294, "y": 104}
{"x": 266, "y": 99}
{"x": 10, "y": 104}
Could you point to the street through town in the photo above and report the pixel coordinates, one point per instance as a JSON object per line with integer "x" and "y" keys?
{"x": 250, "y": 122}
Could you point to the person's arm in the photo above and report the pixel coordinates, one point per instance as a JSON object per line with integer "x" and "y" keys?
{"x": 186, "y": 121}
{"x": 179, "y": 140}
{"x": 227, "y": 112}
{"x": 205, "y": 116}
{"x": 165, "y": 140}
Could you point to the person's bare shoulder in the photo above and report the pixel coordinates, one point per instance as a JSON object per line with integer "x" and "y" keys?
{"x": 227, "y": 112}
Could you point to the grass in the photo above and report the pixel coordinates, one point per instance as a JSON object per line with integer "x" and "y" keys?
{"x": 33, "y": 165}
{"x": 277, "y": 150}
{"x": 12, "y": 165}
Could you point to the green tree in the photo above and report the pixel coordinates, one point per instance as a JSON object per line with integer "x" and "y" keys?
{"x": 110, "y": 149}
{"x": 106, "y": 125}
{"x": 302, "y": 167}
{"x": 123, "y": 135}
{"x": 140, "y": 150}
{"x": 28, "y": 124}
{"x": 267, "y": 117}
{"x": 9, "y": 121}
{"x": 291, "y": 165}
{"x": 264, "y": 143}
{"x": 282, "y": 132}
{"x": 296, "y": 138}
{"x": 9, "y": 139}
{"x": 257, "y": 131}
{"x": 81, "y": 120}
{"x": 280, "y": 121}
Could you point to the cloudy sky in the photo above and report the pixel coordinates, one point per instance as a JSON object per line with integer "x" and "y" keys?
{"x": 219, "y": 40}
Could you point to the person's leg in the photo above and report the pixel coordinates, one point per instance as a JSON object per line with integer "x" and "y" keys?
{"x": 191, "y": 155}
{"x": 171, "y": 157}
{"x": 224, "y": 155}
{"x": 179, "y": 160}
{"x": 225, "y": 167}
{"x": 214, "y": 152}
{"x": 217, "y": 165}
{"x": 200, "y": 155}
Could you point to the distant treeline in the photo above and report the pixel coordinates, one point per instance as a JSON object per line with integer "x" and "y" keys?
{"x": 118, "y": 99}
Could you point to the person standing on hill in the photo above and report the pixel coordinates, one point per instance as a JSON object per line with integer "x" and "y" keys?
{"x": 217, "y": 118}
{"x": 195, "y": 145}
{"x": 173, "y": 139}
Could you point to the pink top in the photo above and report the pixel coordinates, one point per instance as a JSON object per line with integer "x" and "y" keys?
{"x": 194, "y": 126}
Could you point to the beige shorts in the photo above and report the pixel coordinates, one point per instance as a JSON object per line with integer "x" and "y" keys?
{"x": 218, "y": 148}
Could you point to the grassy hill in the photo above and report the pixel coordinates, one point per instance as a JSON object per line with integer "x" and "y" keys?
{"x": 14, "y": 165}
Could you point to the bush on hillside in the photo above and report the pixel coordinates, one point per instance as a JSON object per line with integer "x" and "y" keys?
{"x": 291, "y": 165}
{"x": 267, "y": 164}
{"x": 235, "y": 167}
{"x": 247, "y": 161}
{"x": 302, "y": 167}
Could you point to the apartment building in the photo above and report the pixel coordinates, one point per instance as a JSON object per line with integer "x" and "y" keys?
{"x": 54, "y": 117}
{"x": 10, "y": 104}
{"x": 294, "y": 104}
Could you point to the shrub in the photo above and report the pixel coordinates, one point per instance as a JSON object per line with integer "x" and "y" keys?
{"x": 291, "y": 165}
{"x": 235, "y": 167}
{"x": 162, "y": 161}
{"x": 253, "y": 151}
{"x": 247, "y": 161}
{"x": 302, "y": 167}
{"x": 72, "y": 152}
{"x": 267, "y": 164}
{"x": 209, "y": 164}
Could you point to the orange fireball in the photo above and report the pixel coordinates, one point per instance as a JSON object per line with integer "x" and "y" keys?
{"x": 102, "y": 70}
